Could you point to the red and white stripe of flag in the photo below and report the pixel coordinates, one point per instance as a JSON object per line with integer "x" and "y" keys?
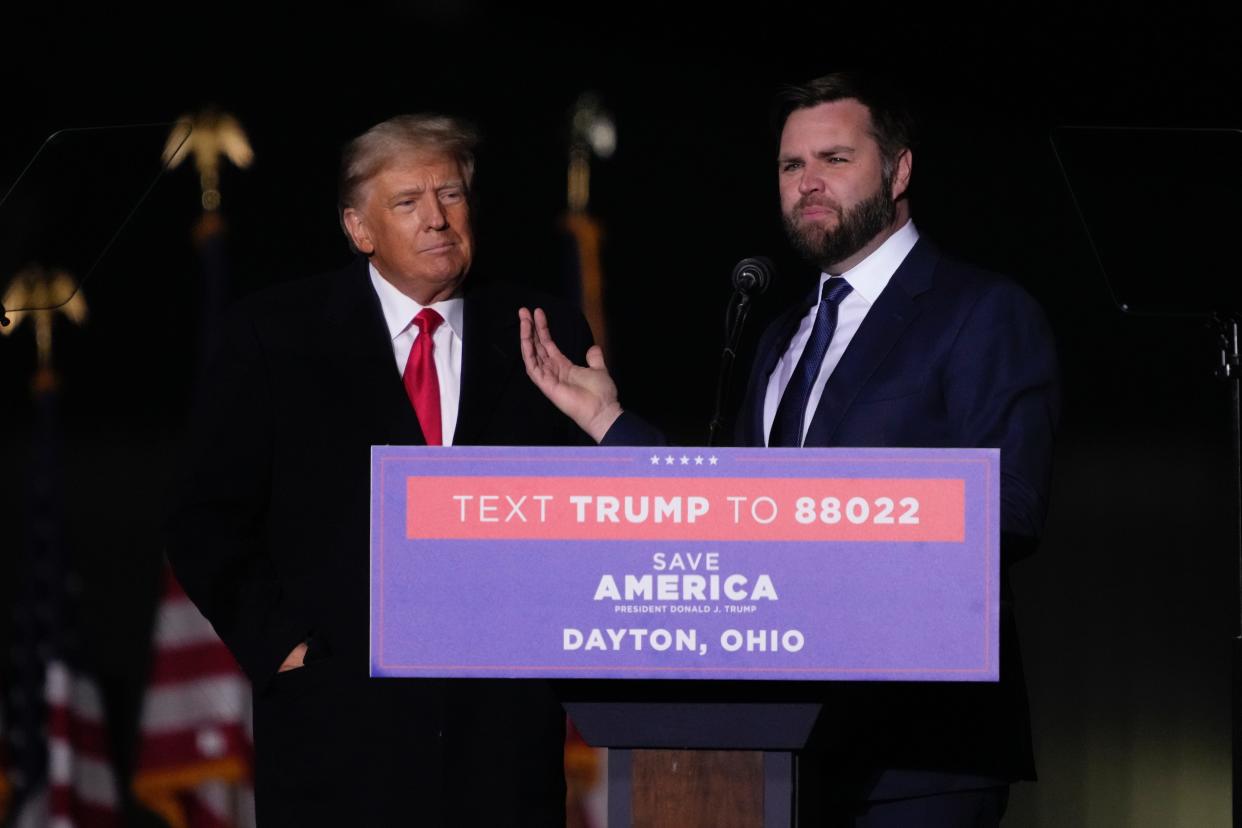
{"x": 194, "y": 760}
{"x": 82, "y": 790}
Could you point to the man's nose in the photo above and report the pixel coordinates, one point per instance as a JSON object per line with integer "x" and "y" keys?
{"x": 810, "y": 181}
{"x": 432, "y": 213}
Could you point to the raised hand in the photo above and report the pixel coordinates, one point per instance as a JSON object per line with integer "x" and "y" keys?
{"x": 584, "y": 393}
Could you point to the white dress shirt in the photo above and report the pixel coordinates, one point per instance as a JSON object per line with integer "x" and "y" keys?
{"x": 868, "y": 279}
{"x": 399, "y": 312}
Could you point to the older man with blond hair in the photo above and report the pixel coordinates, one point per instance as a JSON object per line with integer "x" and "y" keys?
{"x": 271, "y": 536}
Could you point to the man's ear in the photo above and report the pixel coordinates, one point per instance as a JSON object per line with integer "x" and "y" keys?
{"x": 357, "y": 230}
{"x": 901, "y": 175}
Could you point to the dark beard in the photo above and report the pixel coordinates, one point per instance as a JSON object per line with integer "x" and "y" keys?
{"x": 858, "y": 226}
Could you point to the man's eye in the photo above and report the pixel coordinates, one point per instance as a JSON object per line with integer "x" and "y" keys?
{"x": 451, "y": 196}
{"x": 789, "y": 166}
{"x": 837, "y": 159}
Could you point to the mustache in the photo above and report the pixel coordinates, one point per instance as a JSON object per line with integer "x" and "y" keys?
{"x": 816, "y": 200}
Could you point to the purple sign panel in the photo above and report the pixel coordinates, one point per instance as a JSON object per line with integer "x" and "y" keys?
{"x": 842, "y": 564}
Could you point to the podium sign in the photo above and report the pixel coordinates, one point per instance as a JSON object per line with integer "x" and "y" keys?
{"x": 607, "y": 563}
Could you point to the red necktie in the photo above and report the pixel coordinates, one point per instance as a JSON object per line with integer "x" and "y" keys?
{"x": 422, "y": 383}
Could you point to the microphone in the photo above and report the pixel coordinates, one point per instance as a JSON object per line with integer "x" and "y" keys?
{"x": 753, "y": 275}
{"x": 751, "y": 278}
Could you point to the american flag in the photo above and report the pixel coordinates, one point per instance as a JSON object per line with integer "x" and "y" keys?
{"x": 59, "y": 762}
{"x": 76, "y": 788}
{"x": 81, "y": 785}
{"x": 195, "y": 754}
{"x": 195, "y": 757}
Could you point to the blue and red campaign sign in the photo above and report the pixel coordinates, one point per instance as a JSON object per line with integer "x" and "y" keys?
{"x": 820, "y": 564}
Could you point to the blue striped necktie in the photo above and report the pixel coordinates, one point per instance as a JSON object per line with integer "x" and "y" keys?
{"x": 791, "y": 413}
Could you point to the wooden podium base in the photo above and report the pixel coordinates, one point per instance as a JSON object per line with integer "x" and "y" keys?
{"x": 699, "y": 788}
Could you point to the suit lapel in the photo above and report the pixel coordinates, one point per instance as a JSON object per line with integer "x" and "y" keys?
{"x": 883, "y": 326}
{"x": 365, "y": 361}
{"x": 489, "y": 360}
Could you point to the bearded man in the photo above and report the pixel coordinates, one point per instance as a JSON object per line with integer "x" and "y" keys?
{"x": 897, "y": 345}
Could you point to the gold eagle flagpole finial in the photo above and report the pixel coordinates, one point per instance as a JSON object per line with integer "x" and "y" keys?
{"x": 37, "y": 287}
{"x": 213, "y": 135}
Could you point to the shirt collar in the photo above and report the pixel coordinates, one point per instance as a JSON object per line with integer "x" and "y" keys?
{"x": 400, "y": 310}
{"x": 869, "y": 277}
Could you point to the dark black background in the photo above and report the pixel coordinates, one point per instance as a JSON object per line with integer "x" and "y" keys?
{"x": 1126, "y": 613}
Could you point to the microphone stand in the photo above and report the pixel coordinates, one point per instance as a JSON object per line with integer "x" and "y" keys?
{"x": 735, "y": 319}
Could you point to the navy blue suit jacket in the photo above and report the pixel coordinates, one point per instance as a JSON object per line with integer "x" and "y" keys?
{"x": 948, "y": 356}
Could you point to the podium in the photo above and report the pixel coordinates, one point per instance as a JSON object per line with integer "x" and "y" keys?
{"x": 690, "y": 764}
{"x": 688, "y": 605}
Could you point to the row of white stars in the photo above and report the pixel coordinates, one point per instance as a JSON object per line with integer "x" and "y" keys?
{"x": 684, "y": 460}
